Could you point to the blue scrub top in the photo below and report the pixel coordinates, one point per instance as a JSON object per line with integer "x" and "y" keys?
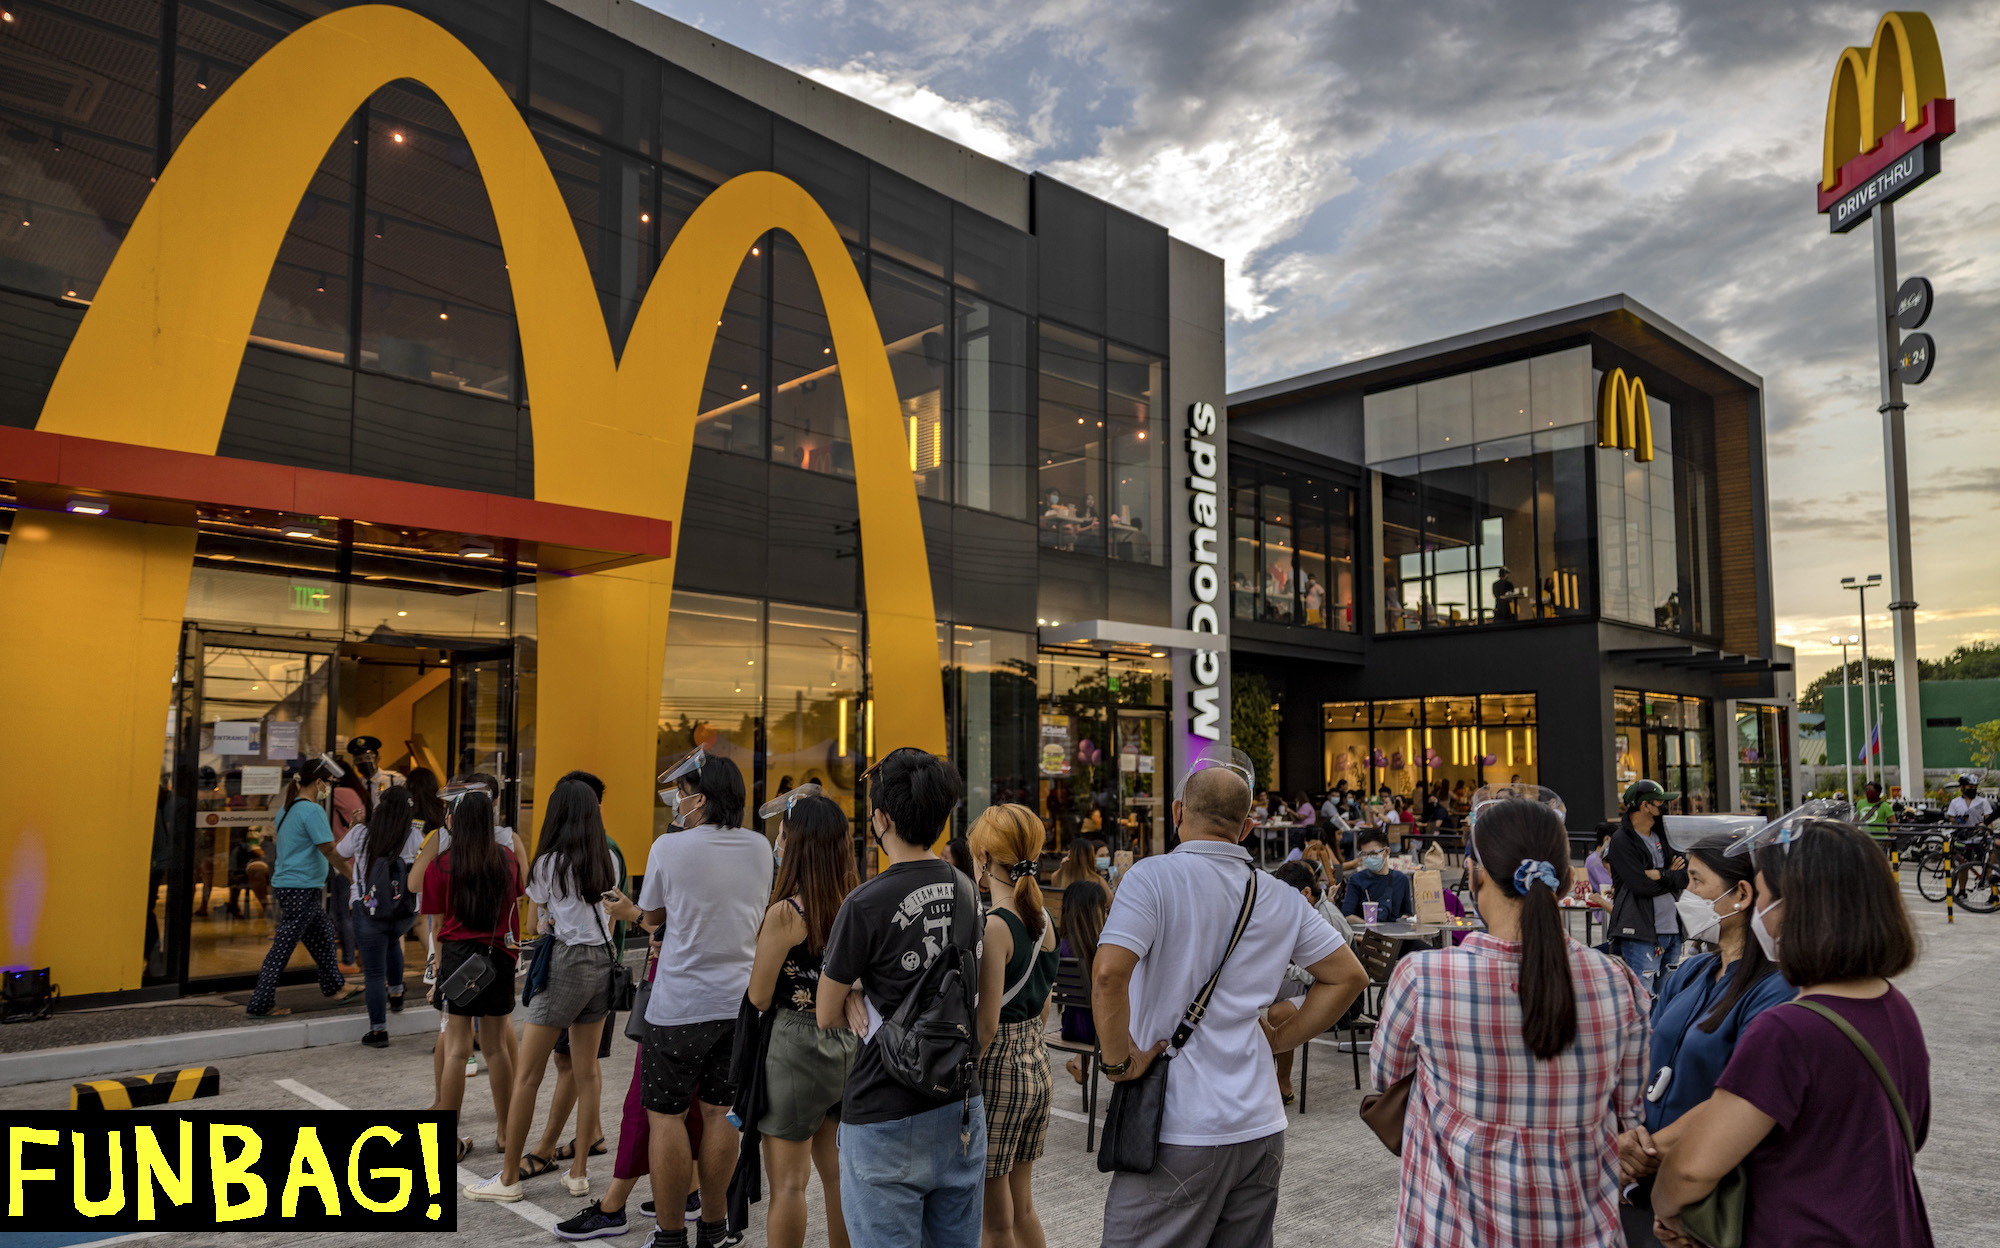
{"x": 301, "y": 831}
{"x": 1697, "y": 1056}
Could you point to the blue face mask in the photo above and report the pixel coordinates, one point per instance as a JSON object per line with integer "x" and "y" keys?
{"x": 1103, "y": 865}
{"x": 1373, "y": 862}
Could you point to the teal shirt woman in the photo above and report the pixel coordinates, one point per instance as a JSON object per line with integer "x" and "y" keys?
{"x": 298, "y": 882}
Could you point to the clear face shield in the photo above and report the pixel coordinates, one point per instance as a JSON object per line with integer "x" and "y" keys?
{"x": 1225, "y": 757}
{"x": 1488, "y": 794}
{"x": 783, "y": 803}
{"x": 1786, "y": 827}
{"x": 680, "y": 769}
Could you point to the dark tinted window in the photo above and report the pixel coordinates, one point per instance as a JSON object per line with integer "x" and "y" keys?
{"x": 1069, "y": 237}
{"x": 914, "y": 313}
{"x": 733, "y": 396}
{"x": 831, "y": 174}
{"x": 809, "y": 414}
{"x": 989, "y": 257}
{"x": 709, "y": 132}
{"x": 611, "y": 199}
{"x": 436, "y": 304}
{"x": 1070, "y": 485}
{"x": 995, "y": 434}
{"x": 1135, "y": 288}
{"x": 593, "y": 80}
{"x": 909, "y": 222}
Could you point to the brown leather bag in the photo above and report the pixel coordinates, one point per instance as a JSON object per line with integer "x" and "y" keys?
{"x": 1383, "y": 1112}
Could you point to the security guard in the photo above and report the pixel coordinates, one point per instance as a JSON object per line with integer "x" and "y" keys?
{"x": 366, "y": 753}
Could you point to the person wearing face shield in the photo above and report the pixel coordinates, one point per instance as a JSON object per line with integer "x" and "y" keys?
{"x": 1378, "y": 882}
{"x": 1703, "y": 1009}
{"x": 1644, "y": 929}
{"x": 1826, "y": 1099}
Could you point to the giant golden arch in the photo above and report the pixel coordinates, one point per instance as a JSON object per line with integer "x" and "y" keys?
{"x": 1624, "y": 421}
{"x": 1879, "y": 87}
{"x": 91, "y": 608}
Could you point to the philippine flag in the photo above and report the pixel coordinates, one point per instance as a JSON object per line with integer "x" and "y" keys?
{"x": 1873, "y": 747}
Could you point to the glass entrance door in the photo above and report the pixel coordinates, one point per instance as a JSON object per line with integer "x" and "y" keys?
{"x": 482, "y": 723}
{"x": 1142, "y": 782}
{"x": 249, "y": 712}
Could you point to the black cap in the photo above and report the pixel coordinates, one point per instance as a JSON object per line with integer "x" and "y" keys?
{"x": 1647, "y": 791}
{"x": 365, "y": 745}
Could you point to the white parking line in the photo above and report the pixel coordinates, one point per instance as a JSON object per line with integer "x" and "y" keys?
{"x": 525, "y": 1209}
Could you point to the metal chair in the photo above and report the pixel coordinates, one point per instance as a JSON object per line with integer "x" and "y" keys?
{"x": 1378, "y": 957}
{"x": 1072, "y": 992}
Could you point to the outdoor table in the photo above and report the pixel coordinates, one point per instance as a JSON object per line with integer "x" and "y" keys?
{"x": 1264, "y": 831}
{"x": 1406, "y": 932}
{"x": 1591, "y": 914}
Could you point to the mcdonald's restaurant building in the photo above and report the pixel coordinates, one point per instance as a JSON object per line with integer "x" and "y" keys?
{"x": 1480, "y": 560}
{"x": 539, "y": 386}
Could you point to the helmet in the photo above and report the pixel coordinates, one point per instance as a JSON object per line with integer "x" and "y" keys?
{"x": 1967, "y": 780}
{"x": 1647, "y": 791}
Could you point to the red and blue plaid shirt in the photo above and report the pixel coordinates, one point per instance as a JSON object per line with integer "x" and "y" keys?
{"x": 1501, "y": 1148}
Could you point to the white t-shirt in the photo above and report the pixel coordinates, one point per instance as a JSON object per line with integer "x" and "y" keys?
{"x": 714, "y": 883}
{"x": 1978, "y": 810}
{"x": 503, "y": 835}
{"x": 575, "y": 924}
{"x": 1176, "y": 912}
{"x": 351, "y": 845}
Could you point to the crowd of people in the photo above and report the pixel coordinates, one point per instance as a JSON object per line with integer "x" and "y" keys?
{"x": 890, "y": 1036}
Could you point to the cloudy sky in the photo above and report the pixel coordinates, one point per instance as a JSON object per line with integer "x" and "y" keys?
{"x": 1379, "y": 173}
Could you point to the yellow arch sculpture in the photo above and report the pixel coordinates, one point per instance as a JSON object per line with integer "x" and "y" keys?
{"x": 92, "y": 607}
{"x": 1879, "y": 87}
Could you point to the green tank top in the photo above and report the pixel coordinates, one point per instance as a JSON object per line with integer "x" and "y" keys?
{"x": 1030, "y": 962}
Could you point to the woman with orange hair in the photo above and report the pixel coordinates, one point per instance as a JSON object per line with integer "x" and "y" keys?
{"x": 1015, "y": 974}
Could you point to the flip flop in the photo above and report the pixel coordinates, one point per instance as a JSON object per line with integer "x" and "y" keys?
{"x": 534, "y": 1167}
{"x": 568, "y": 1151}
{"x": 464, "y": 1147}
{"x": 272, "y": 1013}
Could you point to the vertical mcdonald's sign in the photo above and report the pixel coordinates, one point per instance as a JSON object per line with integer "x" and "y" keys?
{"x": 1624, "y": 422}
{"x": 91, "y": 608}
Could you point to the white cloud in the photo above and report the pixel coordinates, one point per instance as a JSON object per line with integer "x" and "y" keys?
{"x": 985, "y": 126}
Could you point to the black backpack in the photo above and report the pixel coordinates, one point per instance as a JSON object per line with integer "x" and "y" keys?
{"x": 385, "y": 893}
{"x": 931, "y": 1043}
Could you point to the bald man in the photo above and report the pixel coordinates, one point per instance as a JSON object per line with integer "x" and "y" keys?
{"x": 1168, "y": 931}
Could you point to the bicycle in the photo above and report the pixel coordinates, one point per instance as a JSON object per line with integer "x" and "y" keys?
{"x": 1969, "y": 872}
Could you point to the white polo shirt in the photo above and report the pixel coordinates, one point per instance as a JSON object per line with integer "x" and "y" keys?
{"x": 1176, "y": 912}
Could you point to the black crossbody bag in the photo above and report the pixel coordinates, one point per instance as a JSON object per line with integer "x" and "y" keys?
{"x": 1132, "y": 1123}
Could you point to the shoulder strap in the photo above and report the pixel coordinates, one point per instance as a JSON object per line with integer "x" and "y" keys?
{"x": 1027, "y": 968}
{"x": 1874, "y": 1063}
{"x": 1199, "y": 1006}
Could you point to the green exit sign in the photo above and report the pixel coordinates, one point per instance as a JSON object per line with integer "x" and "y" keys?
{"x": 313, "y": 596}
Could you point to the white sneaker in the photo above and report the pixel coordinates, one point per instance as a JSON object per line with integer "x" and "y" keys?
{"x": 471, "y": 1067}
{"x": 493, "y": 1189}
{"x": 577, "y": 1186}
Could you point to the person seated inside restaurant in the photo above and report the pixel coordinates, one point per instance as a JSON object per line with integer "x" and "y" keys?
{"x": 1378, "y": 882}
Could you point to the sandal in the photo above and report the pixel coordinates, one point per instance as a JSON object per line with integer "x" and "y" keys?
{"x": 464, "y": 1147}
{"x": 1287, "y": 1097}
{"x": 276, "y": 1012}
{"x": 568, "y": 1151}
{"x": 533, "y": 1167}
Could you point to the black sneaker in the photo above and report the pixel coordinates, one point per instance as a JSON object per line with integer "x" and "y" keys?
{"x": 647, "y": 1208}
{"x": 395, "y": 1003}
{"x": 593, "y": 1223}
{"x": 376, "y": 1039}
{"x": 694, "y": 1206}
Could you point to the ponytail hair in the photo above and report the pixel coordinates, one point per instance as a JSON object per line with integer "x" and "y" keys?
{"x": 312, "y": 771}
{"x": 1523, "y": 848}
{"x": 1012, "y": 836}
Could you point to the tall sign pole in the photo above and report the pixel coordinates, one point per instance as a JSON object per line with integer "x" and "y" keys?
{"x": 1887, "y": 117}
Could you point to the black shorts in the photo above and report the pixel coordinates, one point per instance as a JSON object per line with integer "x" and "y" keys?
{"x": 603, "y": 1037}
{"x": 686, "y": 1062}
{"x": 498, "y": 995}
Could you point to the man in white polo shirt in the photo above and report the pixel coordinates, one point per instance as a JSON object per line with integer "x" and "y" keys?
{"x": 1166, "y": 933}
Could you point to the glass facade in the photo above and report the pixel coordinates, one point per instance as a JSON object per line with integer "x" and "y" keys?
{"x": 1763, "y": 759}
{"x": 1102, "y": 753}
{"x": 1101, "y": 473}
{"x": 1669, "y": 739}
{"x": 1292, "y": 543}
{"x": 1442, "y": 748}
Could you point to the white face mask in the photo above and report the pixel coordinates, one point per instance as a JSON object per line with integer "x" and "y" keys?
{"x": 1699, "y": 917}
{"x": 1765, "y": 941}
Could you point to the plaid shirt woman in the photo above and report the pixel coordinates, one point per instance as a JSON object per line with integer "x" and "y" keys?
{"x": 1500, "y": 1147}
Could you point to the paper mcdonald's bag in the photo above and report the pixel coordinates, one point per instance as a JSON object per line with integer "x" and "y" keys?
{"x": 1428, "y": 884}
{"x": 1434, "y": 857}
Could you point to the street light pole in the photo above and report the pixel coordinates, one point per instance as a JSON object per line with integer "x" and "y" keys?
{"x": 1871, "y": 707}
{"x": 1846, "y": 714}
{"x": 1902, "y": 581}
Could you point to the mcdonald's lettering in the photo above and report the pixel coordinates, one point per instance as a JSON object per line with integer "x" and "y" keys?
{"x": 1624, "y": 422}
{"x": 155, "y": 361}
{"x": 1886, "y": 102}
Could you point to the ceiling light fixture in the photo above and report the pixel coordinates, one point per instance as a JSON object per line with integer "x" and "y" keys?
{"x": 476, "y": 550}
{"x": 87, "y": 507}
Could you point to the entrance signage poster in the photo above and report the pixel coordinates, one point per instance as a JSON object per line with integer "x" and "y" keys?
{"x": 1204, "y": 574}
{"x": 236, "y": 736}
{"x": 281, "y": 739}
{"x": 261, "y": 781}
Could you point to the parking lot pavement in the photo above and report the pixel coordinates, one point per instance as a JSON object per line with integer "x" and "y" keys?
{"x": 1340, "y": 1185}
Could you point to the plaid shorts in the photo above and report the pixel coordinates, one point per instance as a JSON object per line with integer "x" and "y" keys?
{"x": 1014, "y": 1080}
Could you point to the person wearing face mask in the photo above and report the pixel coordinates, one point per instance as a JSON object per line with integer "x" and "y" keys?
{"x": 1703, "y": 1009}
{"x": 706, "y": 889}
{"x": 1827, "y": 1136}
{"x": 305, "y": 854}
{"x": 1376, "y": 881}
{"x": 1644, "y": 929}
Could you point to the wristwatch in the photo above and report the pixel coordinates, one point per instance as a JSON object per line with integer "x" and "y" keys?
{"x": 1113, "y": 1069}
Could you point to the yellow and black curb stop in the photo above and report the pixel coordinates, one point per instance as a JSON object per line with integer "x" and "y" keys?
{"x": 159, "y": 1088}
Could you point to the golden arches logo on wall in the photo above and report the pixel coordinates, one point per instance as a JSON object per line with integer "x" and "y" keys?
{"x": 1880, "y": 88}
{"x": 155, "y": 361}
{"x": 1624, "y": 421}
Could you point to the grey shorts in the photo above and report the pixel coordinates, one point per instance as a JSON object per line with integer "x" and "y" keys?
{"x": 805, "y": 1074}
{"x": 579, "y": 989}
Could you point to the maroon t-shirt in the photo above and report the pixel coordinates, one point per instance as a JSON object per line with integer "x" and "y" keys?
{"x": 1835, "y": 1170}
{"x": 436, "y": 899}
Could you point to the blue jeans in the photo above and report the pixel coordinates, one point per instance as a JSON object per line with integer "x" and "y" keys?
{"x": 912, "y": 1182}
{"x": 381, "y": 947}
{"x": 338, "y": 910}
{"x": 1647, "y": 958}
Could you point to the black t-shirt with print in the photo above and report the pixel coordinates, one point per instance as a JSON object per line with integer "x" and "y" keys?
{"x": 887, "y": 932}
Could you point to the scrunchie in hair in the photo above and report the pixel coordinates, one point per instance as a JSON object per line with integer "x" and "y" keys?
{"x": 1020, "y": 871}
{"x": 1532, "y": 869}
